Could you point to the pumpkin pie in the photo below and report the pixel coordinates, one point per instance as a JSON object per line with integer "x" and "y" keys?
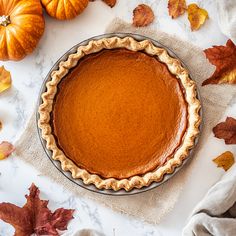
{"x": 120, "y": 113}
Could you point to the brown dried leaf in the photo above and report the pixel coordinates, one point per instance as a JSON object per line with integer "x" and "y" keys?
{"x": 224, "y": 58}
{"x": 225, "y": 160}
{"x": 110, "y": 3}
{"x": 142, "y": 15}
{"x": 5, "y": 79}
{"x": 196, "y": 16}
{"x": 34, "y": 216}
{"x": 176, "y": 8}
{"x": 0, "y": 125}
{"x": 226, "y": 130}
{"x": 17, "y": 217}
{"x": 6, "y": 149}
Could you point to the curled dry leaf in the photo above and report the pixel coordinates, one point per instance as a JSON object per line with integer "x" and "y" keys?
{"x": 224, "y": 58}
{"x": 6, "y": 149}
{"x": 142, "y": 15}
{"x": 35, "y": 217}
{"x": 5, "y": 79}
{"x": 225, "y": 160}
{"x": 176, "y": 8}
{"x": 226, "y": 130}
{"x": 196, "y": 16}
{"x": 110, "y": 3}
{"x": 0, "y": 125}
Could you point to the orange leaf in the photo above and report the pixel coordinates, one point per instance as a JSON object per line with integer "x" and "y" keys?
{"x": 0, "y": 125}
{"x": 110, "y": 3}
{"x": 224, "y": 58}
{"x": 196, "y": 16}
{"x": 142, "y": 15}
{"x": 225, "y": 160}
{"x": 5, "y": 79}
{"x": 34, "y": 216}
{"x": 5, "y": 150}
{"x": 176, "y": 8}
{"x": 226, "y": 130}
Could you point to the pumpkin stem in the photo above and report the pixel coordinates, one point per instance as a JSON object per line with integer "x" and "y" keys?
{"x": 5, "y": 20}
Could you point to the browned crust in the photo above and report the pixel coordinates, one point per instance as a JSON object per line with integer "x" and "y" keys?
{"x": 174, "y": 67}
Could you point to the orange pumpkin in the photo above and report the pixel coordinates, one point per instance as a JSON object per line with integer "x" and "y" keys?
{"x": 64, "y": 10}
{"x": 21, "y": 27}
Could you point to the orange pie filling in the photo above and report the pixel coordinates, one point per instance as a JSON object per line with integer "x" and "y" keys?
{"x": 119, "y": 113}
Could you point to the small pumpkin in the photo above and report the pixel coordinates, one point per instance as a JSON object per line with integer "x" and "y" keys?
{"x": 64, "y": 9}
{"x": 21, "y": 27}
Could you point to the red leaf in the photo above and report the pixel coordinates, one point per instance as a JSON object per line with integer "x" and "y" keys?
{"x": 60, "y": 218}
{"x": 224, "y": 58}
{"x": 34, "y": 216}
{"x": 17, "y": 217}
{"x": 226, "y": 130}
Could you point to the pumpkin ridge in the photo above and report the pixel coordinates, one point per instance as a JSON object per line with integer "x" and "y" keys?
{"x": 31, "y": 40}
{"x": 26, "y": 14}
{"x": 70, "y": 3}
{"x": 64, "y": 6}
{"x": 4, "y": 38}
{"x": 9, "y": 32}
{"x": 29, "y": 31}
{"x": 59, "y": 9}
{"x": 14, "y": 36}
{"x": 10, "y": 8}
{"x": 85, "y": 5}
{"x": 46, "y": 4}
{"x": 35, "y": 12}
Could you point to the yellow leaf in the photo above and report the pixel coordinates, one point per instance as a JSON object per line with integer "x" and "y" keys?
{"x": 6, "y": 149}
{"x": 5, "y": 79}
{"x": 196, "y": 16}
{"x": 225, "y": 160}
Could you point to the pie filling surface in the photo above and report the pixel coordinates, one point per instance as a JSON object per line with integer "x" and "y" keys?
{"x": 119, "y": 113}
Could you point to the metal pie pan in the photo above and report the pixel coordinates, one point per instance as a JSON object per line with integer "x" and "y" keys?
{"x": 57, "y": 164}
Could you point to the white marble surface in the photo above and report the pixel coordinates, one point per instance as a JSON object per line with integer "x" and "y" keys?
{"x": 17, "y": 104}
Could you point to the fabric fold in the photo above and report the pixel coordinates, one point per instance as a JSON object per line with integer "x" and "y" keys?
{"x": 216, "y": 213}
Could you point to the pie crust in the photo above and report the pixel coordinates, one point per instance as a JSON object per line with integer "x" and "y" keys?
{"x": 139, "y": 181}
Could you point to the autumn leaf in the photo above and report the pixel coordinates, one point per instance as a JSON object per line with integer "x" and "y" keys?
{"x": 110, "y": 3}
{"x": 226, "y": 130}
{"x": 35, "y": 217}
{"x": 5, "y": 79}
{"x": 225, "y": 160}
{"x": 142, "y": 15}
{"x": 6, "y": 149}
{"x": 176, "y": 8}
{"x": 224, "y": 58}
{"x": 0, "y": 125}
{"x": 196, "y": 16}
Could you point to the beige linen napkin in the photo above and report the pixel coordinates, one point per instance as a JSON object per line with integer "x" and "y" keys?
{"x": 153, "y": 205}
{"x": 216, "y": 213}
